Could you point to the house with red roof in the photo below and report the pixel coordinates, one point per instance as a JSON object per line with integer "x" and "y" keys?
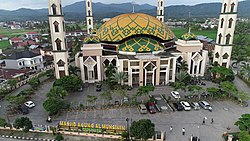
{"x": 4, "y": 38}
{"x": 15, "y": 40}
{"x": 32, "y": 35}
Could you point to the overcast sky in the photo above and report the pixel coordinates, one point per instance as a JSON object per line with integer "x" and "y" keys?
{"x": 36, "y": 4}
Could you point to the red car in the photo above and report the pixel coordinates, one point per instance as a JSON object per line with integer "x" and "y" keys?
{"x": 151, "y": 107}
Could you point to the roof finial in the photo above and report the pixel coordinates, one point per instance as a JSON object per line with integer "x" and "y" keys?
{"x": 189, "y": 29}
{"x": 133, "y": 3}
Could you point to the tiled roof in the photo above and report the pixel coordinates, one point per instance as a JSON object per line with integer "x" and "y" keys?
{"x": 23, "y": 54}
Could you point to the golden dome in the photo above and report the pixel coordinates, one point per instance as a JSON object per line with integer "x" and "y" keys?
{"x": 126, "y": 25}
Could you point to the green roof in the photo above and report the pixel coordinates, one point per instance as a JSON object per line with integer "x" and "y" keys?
{"x": 91, "y": 39}
{"x": 140, "y": 44}
{"x": 188, "y": 36}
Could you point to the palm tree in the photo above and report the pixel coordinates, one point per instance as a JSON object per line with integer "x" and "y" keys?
{"x": 182, "y": 76}
{"x": 110, "y": 70}
{"x": 73, "y": 70}
{"x": 246, "y": 71}
{"x": 183, "y": 66}
{"x": 119, "y": 78}
{"x": 57, "y": 92}
{"x": 76, "y": 47}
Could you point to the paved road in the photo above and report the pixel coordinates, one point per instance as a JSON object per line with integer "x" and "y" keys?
{"x": 7, "y": 139}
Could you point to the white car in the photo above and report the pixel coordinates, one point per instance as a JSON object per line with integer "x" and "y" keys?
{"x": 186, "y": 105}
{"x": 175, "y": 94}
{"x": 29, "y": 104}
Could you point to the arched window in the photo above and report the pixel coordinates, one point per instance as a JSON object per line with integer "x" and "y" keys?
{"x": 89, "y": 13}
{"x": 56, "y": 26}
{"x": 58, "y": 44}
{"x": 225, "y": 56}
{"x": 228, "y": 37}
{"x": 161, "y": 3}
{"x": 222, "y": 22}
{"x": 89, "y": 21}
{"x": 219, "y": 40}
{"x": 230, "y": 23}
{"x": 53, "y": 9}
{"x": 160, "y": 19}
{"x": 61, "y": 9}
{"x": 88, "y": 4}
{"x": 225, "y": 8}
{"x": 161, "y": 12}
{"x": 232, "y": 7}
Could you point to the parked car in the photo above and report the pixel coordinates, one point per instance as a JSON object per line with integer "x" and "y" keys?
{"x": 178, "y": 106}
{"x": 176, "y": 94}
{"x": 205, "y": 105}
{"x": 151, "y": 107}
{"x": 195, "y": 105}
{"x": 23, "y": 109}
{"x": 29, "y": 104}
{"x": 98, "y": 87}
{"x": 186, "y": 105}
{"x": 142, "y": 108}
{"x": 125, "y": 99}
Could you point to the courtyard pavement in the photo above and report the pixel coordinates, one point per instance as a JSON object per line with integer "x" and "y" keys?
{"x": 225, "y": 113}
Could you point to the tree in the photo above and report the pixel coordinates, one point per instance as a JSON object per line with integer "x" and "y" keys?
{"x": 109, "y": 71}
{"x": 144, "y": 90}
{"x": 59, "y": 137}
{"x": 17, "y": 100}
{"x": 119, "y": 78}
{"x": 3, "y": 122}
{"x": 242, "y": 96}
{"x": 182, "y": 76}
{"x": 142, "y": 129}
{"x": 34, "y": 82}
{"x": 91, "y": 98}
{"x": 221, "y": 74}
{"x": 57, "y": 92}
{"x": 74, "y": 70}
{"x": 215, "y": 92}
{"x": 244, "y": 136}
{"x": 24, "y": 123}
{"x": 183, "y": 66}
{"x": 179, "y": 85}
{"x": 76, "y": 47}
{"x": 244, "y": 122}
{"x": 229, "y": 88}
{"x": 52, "y": 106}
{"x": 106, "y": 95}
{"x": 12, "y": 82}
{"x": 69, "y": 83}
{"x": 196, "y": 89}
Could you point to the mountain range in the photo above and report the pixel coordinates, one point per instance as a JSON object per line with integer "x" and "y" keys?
{"x": 77, "y": 11}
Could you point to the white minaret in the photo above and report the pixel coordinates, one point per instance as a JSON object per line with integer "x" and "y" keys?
{"x": 160, "y": 10}
{"x": 89, "y": 16}
{"x": 225, "y": 35}
{"x": 57, "y": 30}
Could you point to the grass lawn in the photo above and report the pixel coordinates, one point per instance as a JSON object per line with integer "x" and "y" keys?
{"x": 4, "y": 45}
{"x": 209, "y": 33}
{"x": 15, "y": 32}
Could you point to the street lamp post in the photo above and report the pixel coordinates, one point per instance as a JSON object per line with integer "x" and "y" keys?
{"x": 127, "y": 120}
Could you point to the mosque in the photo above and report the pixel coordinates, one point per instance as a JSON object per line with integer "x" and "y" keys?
{"x": 139, "y": 45}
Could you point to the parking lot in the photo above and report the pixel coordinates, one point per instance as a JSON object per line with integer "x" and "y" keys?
{"x": 225, "y": 113}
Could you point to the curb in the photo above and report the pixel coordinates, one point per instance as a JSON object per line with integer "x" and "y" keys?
{"x": 26, "y": 138}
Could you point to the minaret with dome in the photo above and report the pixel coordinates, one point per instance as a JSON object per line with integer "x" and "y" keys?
{"x": 57, "y": 30}
{"x": 225, "y": 34}
{"x": 160, "y": 10}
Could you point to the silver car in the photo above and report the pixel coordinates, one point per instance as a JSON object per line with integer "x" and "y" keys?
{"x": 195, "y": 105}
{"x": 142, "y": 108}
{"x": 205, "y": 105}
